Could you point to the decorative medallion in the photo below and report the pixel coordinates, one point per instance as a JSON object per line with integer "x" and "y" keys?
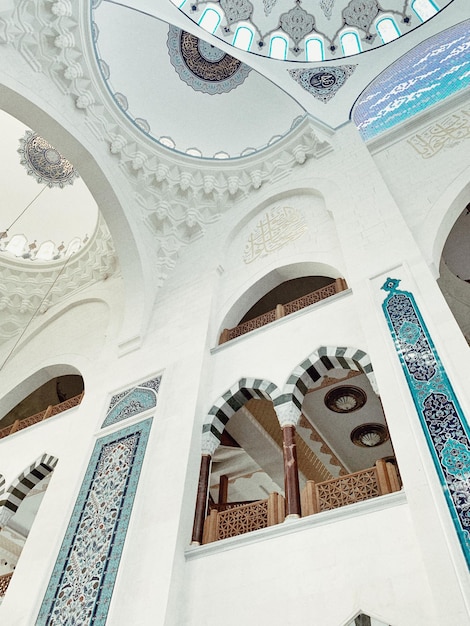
{"x": 442, "y": 420}
{"x": 297, "y": 23}
{"x": 369, "y": 435}
{"x": 82, "y": 581}
{"x": 361, "y": 13}
{"x": 277, "y": 228}
{"x": 236, "y": 10}
{"x": 323, "y": 82}
{"x": 345, "y": 399}
{"x": 202, "y": 66}
{"x": 44, "y": 162}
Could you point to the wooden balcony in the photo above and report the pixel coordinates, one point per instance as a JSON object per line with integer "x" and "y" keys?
{"x": 284, "y": 309}
{"x": 4, "y": 582}
{"x": 40, "y": 417}
{"x": 232, "y": 519}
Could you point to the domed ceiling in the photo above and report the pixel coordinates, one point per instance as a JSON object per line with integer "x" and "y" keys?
{"x": 210, "y": 92}
{"x": 47, "y": 210}
{"x": 193, "y": 92}
{"x": 297, "y": 22}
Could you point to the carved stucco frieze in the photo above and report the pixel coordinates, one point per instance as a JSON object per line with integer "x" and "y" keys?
{"x": 21, "y": 294}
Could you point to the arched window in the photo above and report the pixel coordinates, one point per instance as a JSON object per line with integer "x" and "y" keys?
{"x": 243, "y": 38}
{"x": 16, "y": 245}
{"x": 210, "y": 20}
{"x": 424, "y": 9}
{"x": 387, "y": 29}
{"x": 74, "y": 246}
{"x": 278, "y": 47}
{"x": 46, "y": 251}
{"x": 314, "y": 50}
{"x": 350, "y": 43}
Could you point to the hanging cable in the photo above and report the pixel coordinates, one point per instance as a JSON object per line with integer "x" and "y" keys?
{"x": 36, "y": 311}
{"x": 24, "y": 210}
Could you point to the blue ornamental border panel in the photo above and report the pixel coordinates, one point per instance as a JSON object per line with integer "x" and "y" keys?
{"x": 82, "y": 582}
{"x": 440, "y": 414}
{"x": 133, "y": 401}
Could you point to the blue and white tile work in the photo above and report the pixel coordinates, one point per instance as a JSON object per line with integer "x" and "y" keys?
{"x": 434, "y": 70}
{"x": 133, "y": 401}
{"x": 82, "y": 582}
{"x": 443, "y": 422}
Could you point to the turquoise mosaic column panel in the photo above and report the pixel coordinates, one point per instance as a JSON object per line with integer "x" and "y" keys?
{"x": 443, "y": 422}
{"x": 82, "y": 581}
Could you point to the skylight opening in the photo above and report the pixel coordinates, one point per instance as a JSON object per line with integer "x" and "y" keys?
{"x": 74, "y": 246}
{"x": 243, "y": 38}
{"x": 387, "y": 29}
{"x": 424, "y": 9}
{"x": 16, "y": 245}
{"x": 314, "y": 50}
{"x": 210, "y": 20}
{"x": 194, "y": 152}
{"x": 278, "y": 48}
{"x": 168, "y": 142}
{"x": 350, "y": 43}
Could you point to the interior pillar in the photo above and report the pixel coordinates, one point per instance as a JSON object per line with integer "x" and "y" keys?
{"x": 291, "y": 472}
{"x": 201, "y": 500}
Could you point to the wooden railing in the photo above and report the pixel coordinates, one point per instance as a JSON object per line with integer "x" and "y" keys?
{"x": 244, "y": 519}
{"x": 40, "y": 417}
{"x": 284, "y": 309}
{"x": 4, "y": 582}
{"x": 332, "y": 494}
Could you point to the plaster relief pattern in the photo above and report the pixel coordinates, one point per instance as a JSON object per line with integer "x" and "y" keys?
{"x": 82, "y": 582}
{"x": 442, "y": 420}
{"x": 450, "y": 131}
{"x": 277, "y": 228}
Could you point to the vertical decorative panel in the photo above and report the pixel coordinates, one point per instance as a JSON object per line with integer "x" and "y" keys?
{"x": 443, "y": 422}
{"x": 82, "y": 582}
{"x": 133, "y": 401}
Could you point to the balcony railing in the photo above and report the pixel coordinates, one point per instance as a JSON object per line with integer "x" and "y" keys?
{"x": 284, "y": 309}
{"x": 243, "y": 519}
{"x": 4, "y": 582}
{"x": 237, "y": 519}
{"x": 332, "y": 494}
{"x": 40, "y": 417}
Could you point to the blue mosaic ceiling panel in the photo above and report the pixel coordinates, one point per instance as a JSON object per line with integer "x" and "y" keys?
{"x": 431, "y": 72}
{"x": 132, "y": 401}
{"x": 82, "y": 582}
{"x": 442, "y": 420}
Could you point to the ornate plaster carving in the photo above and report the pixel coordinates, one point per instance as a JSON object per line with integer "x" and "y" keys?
{"x": 21, "y": 293}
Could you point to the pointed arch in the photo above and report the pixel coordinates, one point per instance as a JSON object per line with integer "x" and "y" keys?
{"x": 23, "y": 484}
{"x": 229, "y": 403}
{"x": 326, "y": 358}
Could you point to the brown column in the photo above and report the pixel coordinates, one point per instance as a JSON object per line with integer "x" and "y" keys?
{"x": 201, "y": 500}
{"x": 291, "y": 472}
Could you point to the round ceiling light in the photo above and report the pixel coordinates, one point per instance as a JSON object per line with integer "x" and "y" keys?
{"x": 369, "y": 435}
{"x": 345, "y": 399}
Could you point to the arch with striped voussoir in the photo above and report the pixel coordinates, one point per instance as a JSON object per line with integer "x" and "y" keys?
{"x": 312, "y": 369}
{"x": 22, "y": 485}
{"x": 229, "y": 403}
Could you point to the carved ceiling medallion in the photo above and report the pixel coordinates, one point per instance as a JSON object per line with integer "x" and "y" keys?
{"x": 369, "y": 435}
{"x": 44, "y": 162}
{"x": 202, "y": 66}
{"x": 345, "y": 399}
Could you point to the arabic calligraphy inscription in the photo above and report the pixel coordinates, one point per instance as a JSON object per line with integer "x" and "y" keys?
{"x": 278, "y": 227}
{"x": 447, "y": 133}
